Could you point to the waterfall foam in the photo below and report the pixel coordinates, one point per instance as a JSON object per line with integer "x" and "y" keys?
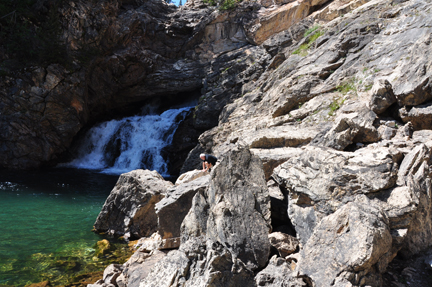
{"x": 119, "y": 146}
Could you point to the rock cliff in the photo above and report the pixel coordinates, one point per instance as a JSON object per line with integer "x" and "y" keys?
{"x": 318, "y": 110}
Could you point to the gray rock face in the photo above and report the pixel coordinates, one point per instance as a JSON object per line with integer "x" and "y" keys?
{"x": 347, "y": 244}
{"x": 190, "y": 176}
{"x": 392, "y": 214}
{"x": 224, "y": 235}
{"x": 238, "y": 194}
{"x": 279, "y": 272}
{"x": 138, "y": 267}
{"x": 321, "y": 110}
{"x": 355, "y": 124}
{"x": 415, "y": 173}
{"x": 172, "y": 209}
{"x": 130, "y": 208}
{"x": 320, "y": 180}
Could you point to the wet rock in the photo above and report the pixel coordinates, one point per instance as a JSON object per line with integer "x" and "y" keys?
{"x": 102, "y": 248}
{"x": 130, "y": 208}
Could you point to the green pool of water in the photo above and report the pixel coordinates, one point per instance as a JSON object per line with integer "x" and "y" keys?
{"x": 46, "y": 218}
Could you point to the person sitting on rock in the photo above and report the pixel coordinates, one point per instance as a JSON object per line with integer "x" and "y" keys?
{"x": 208, "y": 161}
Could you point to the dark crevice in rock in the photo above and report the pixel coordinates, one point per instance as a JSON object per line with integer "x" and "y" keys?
{"x": 279, "y": 214}
{"x": 352, "y": 147}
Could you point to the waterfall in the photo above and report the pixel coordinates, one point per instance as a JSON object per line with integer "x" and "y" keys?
{"x": 119, "y": 146}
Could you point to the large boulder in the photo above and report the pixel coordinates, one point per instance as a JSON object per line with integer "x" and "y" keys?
{"x": 284, "y": 243}
{"x": 138, "y": 267}
{"x": 348, "y": 246}
{"x": 355, "y": 124}
{"x": 358, "y": 221}
{"x": 415, "y": 174}
{"x": 172, "y": 209}
{"x": 190, "y": 176}
{"x": 129, "y": 210}
{"x": 224, "y": 235}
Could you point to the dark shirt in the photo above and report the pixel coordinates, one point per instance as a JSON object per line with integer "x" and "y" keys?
{"x": 210, "y": 159}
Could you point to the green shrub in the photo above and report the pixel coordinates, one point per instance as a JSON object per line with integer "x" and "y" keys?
{"x": 302, "y": 50}
{"x": 210, "y": 2}
{"x": 311, "y": 30}
{"x": 224, "y": 5}
{"x": 228, "y": 5}
{"x": 315, "y": 36}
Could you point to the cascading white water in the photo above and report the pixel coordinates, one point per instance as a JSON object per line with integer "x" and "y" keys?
{"x": 119, "y": 146}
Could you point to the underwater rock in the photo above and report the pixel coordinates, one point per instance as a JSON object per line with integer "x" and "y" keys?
{"x": 102, "y": 248}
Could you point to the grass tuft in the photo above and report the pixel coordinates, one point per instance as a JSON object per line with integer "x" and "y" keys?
{"x": 346, "y": 87}
{"x": 302, "y": 50}
{"x": 335, "y": 105}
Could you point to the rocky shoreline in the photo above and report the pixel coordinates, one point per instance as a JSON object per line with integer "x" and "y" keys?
{"x": 234, "y": 232}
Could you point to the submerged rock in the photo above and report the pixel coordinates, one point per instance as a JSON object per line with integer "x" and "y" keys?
{"x": 102, "y": 248}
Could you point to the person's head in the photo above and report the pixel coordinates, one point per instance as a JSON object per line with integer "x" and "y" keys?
{"x": 202, "y": 156}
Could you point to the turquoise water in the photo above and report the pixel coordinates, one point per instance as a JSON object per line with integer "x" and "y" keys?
{"x": 46, "y": 218}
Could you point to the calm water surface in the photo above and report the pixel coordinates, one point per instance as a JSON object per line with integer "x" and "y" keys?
{"x": 46, "y": 218}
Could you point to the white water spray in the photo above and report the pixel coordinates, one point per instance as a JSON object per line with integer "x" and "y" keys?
{"x": 119, "y": 146}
